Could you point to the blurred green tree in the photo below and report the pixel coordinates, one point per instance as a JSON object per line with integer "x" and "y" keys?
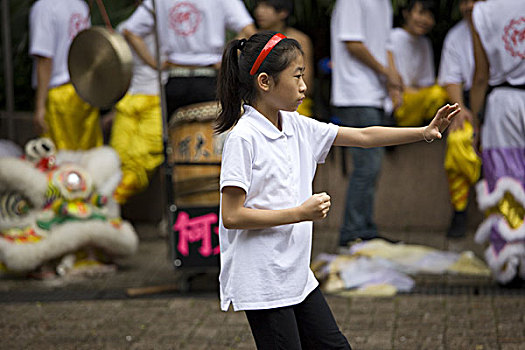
{"x": 310, "y": 16}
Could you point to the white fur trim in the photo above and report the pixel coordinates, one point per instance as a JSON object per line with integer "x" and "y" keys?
{"x": 522, "y": 269}
{"x": 483, "y": 232}
{"x": 504, "y": 184}
{"x": 112, "y": 208}
{"x": 509, "y": 258}
{"x": 68, "y": 238}
{"x": 21, "y": 176}
{"x": 503, "y": 228}
{"x": 19, "y": 222}
{"x": 10, "y": 149}
{"x": 102, "y": 163}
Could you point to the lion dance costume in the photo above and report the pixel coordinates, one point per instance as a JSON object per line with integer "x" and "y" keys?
{"x": 57, "y": 212}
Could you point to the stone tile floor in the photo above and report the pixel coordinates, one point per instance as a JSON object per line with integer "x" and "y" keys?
{"x": 448, "y": 312}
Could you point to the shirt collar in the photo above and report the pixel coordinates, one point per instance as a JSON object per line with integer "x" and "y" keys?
{"x": 265, "y": 126}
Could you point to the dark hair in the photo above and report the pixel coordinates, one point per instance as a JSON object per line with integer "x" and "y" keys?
{"x": 235, "y": 84}
{"x": 428, "y": 5}
{"x": 278, "y": 5}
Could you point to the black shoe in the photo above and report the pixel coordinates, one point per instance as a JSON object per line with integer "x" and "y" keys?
{"x": 458, "y": 226}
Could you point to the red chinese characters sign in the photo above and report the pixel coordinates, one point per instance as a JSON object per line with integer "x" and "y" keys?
{"x": 197, "y": 229}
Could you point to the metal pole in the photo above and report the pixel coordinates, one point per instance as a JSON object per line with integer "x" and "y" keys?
{"x": 8, "y": 69}
{"x": 167, "y": 166}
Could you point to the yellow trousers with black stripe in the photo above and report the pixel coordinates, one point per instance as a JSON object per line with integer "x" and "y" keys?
{"x": 136, "y": 135}
{"x": 72, "y": 123}
{"x": 462, "y": 165}
{"x": 420, "y": 106}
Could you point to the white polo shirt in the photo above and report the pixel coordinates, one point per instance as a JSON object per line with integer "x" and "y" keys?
{"x": 52, "y": 26}
{"x": 457, "y": 57}
{"x": 413, "y": 57}
{"x": 370, "y": 22}
{"x": 269, "y": 268}
{"x": 191, "y": 32}
{"x": 500, "y": 25}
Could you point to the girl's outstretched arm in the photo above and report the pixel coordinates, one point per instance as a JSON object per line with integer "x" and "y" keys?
{"x": 236, "y": 216}
{"x": 377, "y": 136}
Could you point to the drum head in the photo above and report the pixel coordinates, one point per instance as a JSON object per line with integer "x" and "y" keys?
{"x": 100, "y": 66}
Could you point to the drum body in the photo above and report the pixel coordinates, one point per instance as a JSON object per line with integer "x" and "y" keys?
{"x": 195, "y": 151}
{"x": 196, "y": 155}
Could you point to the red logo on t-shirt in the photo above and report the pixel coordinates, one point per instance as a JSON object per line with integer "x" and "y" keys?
{"x": 77, "y": 23}
{"x": 514, "y": 37}
{"x": 185, "y": 18}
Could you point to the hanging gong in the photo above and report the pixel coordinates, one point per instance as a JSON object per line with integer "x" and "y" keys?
{"x": 100, "y": 66}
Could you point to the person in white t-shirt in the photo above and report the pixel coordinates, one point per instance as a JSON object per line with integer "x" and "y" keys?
{"x": 60, "y": 113}
{"x": 498, "y": 87}
{"x": 462, "y": 163}
{"x": 192, "y": 34}
{"x": 136, "y": 132}
{"x": 413, "y": 58}
{"x": 267, "y": 205}
{"x": 360, "y": 76}
{"x": 274, "y": 15}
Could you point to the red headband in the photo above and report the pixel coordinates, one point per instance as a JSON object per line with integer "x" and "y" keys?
{"x": 265, "y": 51}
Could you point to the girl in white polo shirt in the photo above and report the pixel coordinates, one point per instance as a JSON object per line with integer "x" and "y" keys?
{"x": 267, "y": 207}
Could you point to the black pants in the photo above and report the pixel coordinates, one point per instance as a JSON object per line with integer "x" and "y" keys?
{"x": 308, "y": 325}
{"x": 185, "y": 91}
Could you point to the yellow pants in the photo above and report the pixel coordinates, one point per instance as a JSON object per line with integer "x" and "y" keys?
{"x": 420, "y": 107}
{"x": 136, "y": 135}
{"x": 73, "y": 124}
{"x": 462, "y": 165}
{"x": 306, "y": 108}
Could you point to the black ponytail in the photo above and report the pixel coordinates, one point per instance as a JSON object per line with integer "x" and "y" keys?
{"x": 228, "y": 91}
{"x": 235, "y": 84}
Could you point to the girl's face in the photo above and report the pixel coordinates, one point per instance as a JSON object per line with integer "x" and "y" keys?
{"x": 267, "y": 17}
{"x": 418, "y": 21}
{"x": 289, "y": 92}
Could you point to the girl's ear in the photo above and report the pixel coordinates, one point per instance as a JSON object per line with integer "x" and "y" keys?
{"x": 263, "y": 81}
{"x": 283, "y": 15}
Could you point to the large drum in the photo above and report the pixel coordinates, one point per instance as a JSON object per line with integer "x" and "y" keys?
{"x": 196, "y": 155}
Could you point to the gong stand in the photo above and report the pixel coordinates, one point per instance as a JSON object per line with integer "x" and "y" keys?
{"x": 100, "y": 64}
{"x": 167, "y": 166}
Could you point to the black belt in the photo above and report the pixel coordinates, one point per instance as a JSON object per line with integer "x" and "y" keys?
{"x": 481, "y": 114}
{"x": 505, "y": 84}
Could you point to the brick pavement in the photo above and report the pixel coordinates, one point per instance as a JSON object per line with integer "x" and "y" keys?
{"x": 94, "y": 313}
{"x": 402, "y": 322}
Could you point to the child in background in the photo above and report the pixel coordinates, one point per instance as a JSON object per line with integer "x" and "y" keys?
{"x": 267, "y": 206}
{"x": 413, "y": 58}
{"x": 273, "y": 15}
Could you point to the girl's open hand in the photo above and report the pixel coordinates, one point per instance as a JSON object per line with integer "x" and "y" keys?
{"x": 316, "y": 207}
{"x": 440, "y": 122}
